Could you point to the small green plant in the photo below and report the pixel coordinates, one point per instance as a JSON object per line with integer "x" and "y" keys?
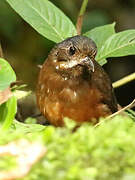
{"x": 104, "y": 152}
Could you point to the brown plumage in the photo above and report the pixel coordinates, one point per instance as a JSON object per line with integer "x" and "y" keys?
{"x": 72, "y": 84}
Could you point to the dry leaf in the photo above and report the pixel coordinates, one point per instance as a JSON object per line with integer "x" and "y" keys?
{"x": 26, "y": 153}
{"x": 5, "y": 95}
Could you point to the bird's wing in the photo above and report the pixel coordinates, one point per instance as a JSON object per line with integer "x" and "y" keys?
{"x": 101, "y": 81}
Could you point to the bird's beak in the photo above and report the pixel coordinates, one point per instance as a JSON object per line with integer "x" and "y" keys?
{"x": 87, "y": 62}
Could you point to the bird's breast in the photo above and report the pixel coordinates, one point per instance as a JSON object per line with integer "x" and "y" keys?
{"x": 59, "y": 98}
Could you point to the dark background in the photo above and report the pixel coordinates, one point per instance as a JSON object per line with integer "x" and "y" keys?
{"x": 24, "y": 48}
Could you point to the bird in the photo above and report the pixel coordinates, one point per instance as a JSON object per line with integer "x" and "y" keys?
{"x": 72, "y": 84}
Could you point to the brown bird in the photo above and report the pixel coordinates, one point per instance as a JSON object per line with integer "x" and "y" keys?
{"x": 72, "y": 84}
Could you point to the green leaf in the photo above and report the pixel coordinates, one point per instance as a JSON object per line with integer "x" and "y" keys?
{"x": 7, "y": 75}
{"x": 7, "y": 112}
{"x": 99, "y": 35}
{"x": 119, "y": 44}
{"x": 45, "y": 18}
{"x": 27, "y": 128}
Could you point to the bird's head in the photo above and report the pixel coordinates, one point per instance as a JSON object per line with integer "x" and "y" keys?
{"x": 74, "y": 57}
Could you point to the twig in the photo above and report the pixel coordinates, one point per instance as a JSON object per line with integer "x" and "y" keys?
{"x": 123, "y": 109}
{"x": 1, "y": 52}
{"x": 80, "y": 17}
{"x": 131, "y": 105}
{"x": 124, "y": 80}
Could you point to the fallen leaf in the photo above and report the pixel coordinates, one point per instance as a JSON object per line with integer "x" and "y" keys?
{"x": 5, "y": 95}
{"x": 26, "y": 153}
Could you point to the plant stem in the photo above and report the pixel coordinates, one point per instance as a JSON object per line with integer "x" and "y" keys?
{"x": 80, "y": 17}
{"x": 124, "y": 80}
{"x": 83, "y": 7}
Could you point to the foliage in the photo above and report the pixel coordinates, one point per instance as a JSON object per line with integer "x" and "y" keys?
{"x": 119, "y": 44}
{"x": 7, "y": 112}
{"x": 7, "y": 109}
{"x": 7, "y": 75}
{"x": 99, "y": 35}
{"x": 46, "y": 18}
{"x": 50, "y": 21}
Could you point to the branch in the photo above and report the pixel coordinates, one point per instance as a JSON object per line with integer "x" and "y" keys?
{"x": 124, "y": 80}
{"x": 80, "y": 17}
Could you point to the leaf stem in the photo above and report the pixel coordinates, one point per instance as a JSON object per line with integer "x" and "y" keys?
{"x": 80, "y": 17}
{"x": 124, "y": 80}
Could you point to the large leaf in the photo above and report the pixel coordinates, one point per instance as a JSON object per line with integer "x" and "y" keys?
{"x": 7, "y": 112}
{"x": 99, "y": 35}
{"x": 45, "y": 18}
{"x": 119, "y": 44}
{"x": 7, "y": 75}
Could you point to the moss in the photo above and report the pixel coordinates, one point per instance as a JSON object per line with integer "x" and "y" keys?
{"x": 105, "y": 152}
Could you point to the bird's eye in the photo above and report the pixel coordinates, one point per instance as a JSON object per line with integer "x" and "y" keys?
{"x": 72, "y": 50}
